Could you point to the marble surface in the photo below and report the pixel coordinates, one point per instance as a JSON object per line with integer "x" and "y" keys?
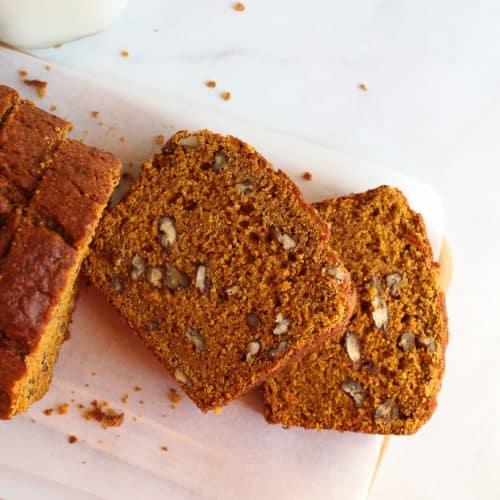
{"x": 431, "y": 110}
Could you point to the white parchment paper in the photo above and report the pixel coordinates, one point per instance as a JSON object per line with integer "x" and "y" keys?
{"x": 234, "y": 455}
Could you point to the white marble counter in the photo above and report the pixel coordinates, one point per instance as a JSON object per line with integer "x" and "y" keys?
{"x": 431, "y": 109}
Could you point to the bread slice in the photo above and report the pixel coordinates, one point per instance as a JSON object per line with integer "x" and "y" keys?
{"x": 52, "y": 194}
{"x": 384, "y": 374}
{"x": 219, "y": 265}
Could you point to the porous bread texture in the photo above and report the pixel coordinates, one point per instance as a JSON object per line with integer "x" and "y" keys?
{"x": 52, "y": 194}
{"x": 220, "y": 266}
{"x": 384, "y": 374}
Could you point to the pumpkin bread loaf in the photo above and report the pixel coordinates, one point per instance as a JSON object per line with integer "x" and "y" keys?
{"x": 219, "y": 265}
{"x": 383, "y": 375}
{"x": 52, "y": 194}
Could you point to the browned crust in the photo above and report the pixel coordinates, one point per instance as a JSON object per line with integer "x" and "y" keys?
{"x": 81, "y": 178}
{"x": 37, "y": 267}
{"x": 27, "y": 138}
{"x": 8, "y": 99}
{"x": 28, "y": 297}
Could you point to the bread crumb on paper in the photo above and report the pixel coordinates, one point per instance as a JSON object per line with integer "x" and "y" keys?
{"x": 48, "y": 411}
{"x": 362, "y": 87}
{"x": 107, "y": 418}
{"x": 124, "y": 53}
{"x": 72, "y": 439}
{"x": 63, "y": 409}
{"x": 159, "y": 139}
{"x": 23, "y": 73}
{"x": 174, "y": 397}
{"x": 307, "y": 176}
{"x": 137, "y": 388}
{"x": 39, "y": 85}
{"x": 164, "y": 448}
{"x": 124, "y": 398}
{"x": 226, "y": 95}
{"x": 239, "y": 7}
{"x": 94, "y": 114}
{"x": 53, "y": 107}
{"x": 211, "y": 84}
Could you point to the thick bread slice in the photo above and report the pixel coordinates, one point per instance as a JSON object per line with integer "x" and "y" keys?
{"x": 384, "y": 374}
{"x": 220, "y": 266}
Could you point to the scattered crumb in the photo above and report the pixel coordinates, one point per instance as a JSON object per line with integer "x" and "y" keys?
{"x": 124, "y": 398}
{"x": 83, "y": 462}
{"x": 63, "y": 409}
{"x": 362, "y": 87}
{"x": 239, "y": 7}
{"x": 141, "y": 402}
{"x": 58, "y": 45}
{"x": 23, "y": 73}
{"x": 137, "y": 388}
{"x": 108, "y": 418}
{"x": 159, "y": 139}
{"x": 211, "y": 84}
{"x": 48, "y": 67}
{"x": 117, "y": 435}
{"x": 72, "y": 439}
{"x": 53, "y": 107}
{"x": 307, "y": 176}
{"x": 86, "y": 133}
{"x": 127, "y": 176}
{"x": 40, "y": 85}
{"x": 226, "y": 95}
{"x": 95, "y": 114}
{"x": 124, "y": 53}
{"x": 218, "y": 410}
{"x": 100, "y": 441}
{"x": 93, "y": 373}
{"x": 86, "y": 385}
{"x": 33, "y": 420}
{"x": 101, "y": 123}
{"x": 164, "y": 448}
{"x": 156, "y": 30}
{"x": 134, "y": 418}
{"x": 174, "y": 397}
{"x": 80, "y": 406}
{"x": 48, "y": 411}
{"x": 164, "y": 415}
{"x": 122, "y": 139}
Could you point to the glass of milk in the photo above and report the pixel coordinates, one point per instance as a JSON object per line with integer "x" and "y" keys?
{"x": 43, "y": 23}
